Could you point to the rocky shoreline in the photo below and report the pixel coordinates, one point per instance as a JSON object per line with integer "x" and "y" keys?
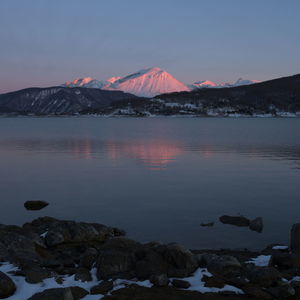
{"x": 50, "y": 259}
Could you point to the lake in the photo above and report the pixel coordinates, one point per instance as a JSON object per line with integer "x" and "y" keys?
{"x": 157, "y": 178}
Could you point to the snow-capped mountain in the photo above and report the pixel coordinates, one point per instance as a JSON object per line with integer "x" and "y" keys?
{"x": 203, "y": 84}
{"x": 146, "y": 83}
{"x": 87, "y": 82}
{"x": 149, "y": 83}
{"x": 242, "y": 81}
{"x": 211, "y": 84}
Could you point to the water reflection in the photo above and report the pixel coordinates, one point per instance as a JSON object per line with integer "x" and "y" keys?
{"x": 154, "y": 154}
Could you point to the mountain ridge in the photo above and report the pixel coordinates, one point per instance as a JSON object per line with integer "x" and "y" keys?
{"x": 149, "y": 82}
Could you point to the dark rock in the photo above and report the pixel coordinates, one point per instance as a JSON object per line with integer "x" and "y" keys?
{"x": 36, "y": 274}
{"x": 76, "y": 232}
{"x": 72, "y": 293}
{"x": 235, "y": 220}
{"x": 152, "y": 264}
{"x": 210, "y": 224}
{"x": 203, "y": 259}
{"x": 257, "y": 225}
{"x": 181, "y": 284}
{"x": 88, "y": 259}
{"x": 182, "y": 262}
{"x": 160, "y": 280}
{"x": 83, "y": 274}
{"x": 19, "y": 245}
{"x": 213, "y": 281}
{"x": 7, "y": 286}
{"x": 284, "y": 260}
{"x": 115, "y": 263}
{"x": 282, "y": 291}
{"x": 263, "y": 276}
{"x": 102, "y": 288}
{"x": 117, "y": 258}
{"x": 135, "y": 292}
{"x": 257, "y": 292}
{"x": 223, "y": 264}
{"x": 35, "y": 204}
{"x": 58, "y": 232}
{"x": 295, "y": 237}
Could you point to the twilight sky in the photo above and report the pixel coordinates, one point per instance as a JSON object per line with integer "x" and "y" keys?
{"x": 47, "y": 42}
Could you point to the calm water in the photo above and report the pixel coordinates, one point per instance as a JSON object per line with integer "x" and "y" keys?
{"x": 157, "y": 178}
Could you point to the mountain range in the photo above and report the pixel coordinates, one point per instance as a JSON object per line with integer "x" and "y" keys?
{"x": 86, "y": 96}
{"x": 149, "y": 83}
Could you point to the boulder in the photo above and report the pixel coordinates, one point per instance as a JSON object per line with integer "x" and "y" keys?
{"x": 160, "y": 280}
{"x": 19, "y": 245}
{"x": 213, "y": 281}
{"x": 7, "y": 286}
{"x": 117, "y": 258}
{"x": 223, "y": 264}
{"x": 257, "y": 225}
{"x": 295, "y": 237}
{"x": 102, "y": 288}
{"x": 181, "y": 284}
{"x": 285, "y": 260}
{"x": 115, "y": 263}
{"x": 88, "y": 259}
{"x": 35, "y": 204}
{"x": 36, "y": 274}
{"x": 58, "y": 232}
{"x": 263, "y": 276}
{"x": 284, "y": 291}
{"x": 72, "y": 293}
{"x": 257, "y": 293}
{"x": 235, "y": 220}
{"x": 181, "y": 261}
{"x": 83, "y": 274}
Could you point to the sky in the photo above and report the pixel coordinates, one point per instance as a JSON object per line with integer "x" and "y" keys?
{"x": 48, "y": 42}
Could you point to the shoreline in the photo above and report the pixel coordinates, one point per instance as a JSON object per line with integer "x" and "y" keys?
{"x": 294, "y": 116}
{"x": 88, "y": 261}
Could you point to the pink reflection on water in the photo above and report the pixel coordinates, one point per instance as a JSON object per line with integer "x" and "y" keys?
{"x": 154, "y": 154}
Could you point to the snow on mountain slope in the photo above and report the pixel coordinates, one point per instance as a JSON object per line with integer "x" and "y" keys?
{"x": 149, "y": 83}
{"x": 203, "y": 84}
{"x": 87, "y": 82}
{"x": 211, "y": 84}
{"x": 113, "y": 79}
{"x": 242, "y": 81}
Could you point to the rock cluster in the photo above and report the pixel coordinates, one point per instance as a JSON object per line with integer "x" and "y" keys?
{"x": 47, "y": 247}
{"x": 241, "y": 221}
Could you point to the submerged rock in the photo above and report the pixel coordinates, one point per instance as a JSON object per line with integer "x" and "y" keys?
{"x": 7, "y": 286}
{"x": 35, "y": 204}
{"x": 235, "y": 220}
{"x": 210, "y": 224}
{"x": 257, "y": 224}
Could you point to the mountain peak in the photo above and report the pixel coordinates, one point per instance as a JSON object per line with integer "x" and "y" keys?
{"x": 87, "y": 82}
{"x": 149, "y": 82}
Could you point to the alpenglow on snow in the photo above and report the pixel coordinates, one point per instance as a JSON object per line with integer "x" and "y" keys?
{"x": 149, "y": 83}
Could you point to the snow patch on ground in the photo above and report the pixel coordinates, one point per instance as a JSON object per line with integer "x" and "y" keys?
{"x": 260, "y": 261}
{"x": 280, "y": 247}
{"x": 198, "y": 285}
{"x": 25, "y": 290}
